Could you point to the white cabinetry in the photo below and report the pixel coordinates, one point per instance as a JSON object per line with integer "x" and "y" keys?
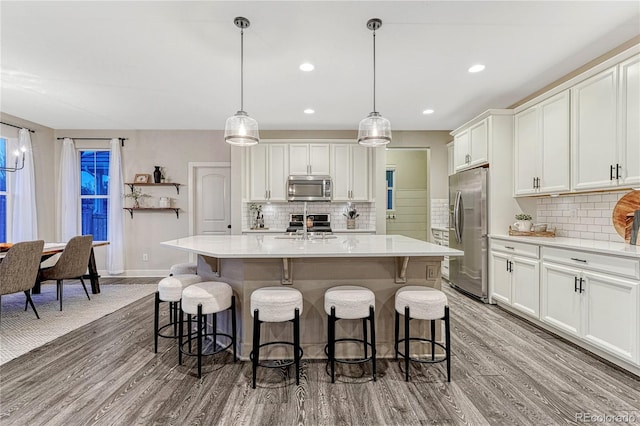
{"x": 542, "y": 147}
{"x": 605, "y": 128}
{"x": 350, "y": 172}
{"x": 582, "y": 296}
{"x": 514, "y": 271}
{"x": 441, "y": 238}
{"x": 451, "y": 167}
{"x": 268, "y": 171}
{"x": 309, "y": 159}
{"x": 471, "y": 146}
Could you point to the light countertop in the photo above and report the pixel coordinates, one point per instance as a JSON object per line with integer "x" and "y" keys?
{"x": 282, "y": 231}
{"x": 604, "y": 247}
{"x": 274, "y": 246}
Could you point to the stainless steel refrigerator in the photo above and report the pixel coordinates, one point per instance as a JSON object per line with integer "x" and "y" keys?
{"x": 468, "y": 231}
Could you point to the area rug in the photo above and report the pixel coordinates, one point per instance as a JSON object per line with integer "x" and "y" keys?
{"x": 21, "y": 332}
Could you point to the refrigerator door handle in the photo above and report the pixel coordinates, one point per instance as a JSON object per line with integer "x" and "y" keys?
{"x": 457, "y": 217}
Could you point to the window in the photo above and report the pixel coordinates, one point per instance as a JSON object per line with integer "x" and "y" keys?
{"x": 391, "y": 188}
{"x": 4, "y": 219}
{"x": 94, "y": 193}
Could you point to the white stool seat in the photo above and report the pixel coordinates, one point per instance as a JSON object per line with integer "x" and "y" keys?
{"x": 276, "y": 304}
{"x": 170, "y": 288}
{"x": 424, "y": 302}
{"x": 350, "y": 301}
{"x": 183, "y": 269}
{"x": 214, "y": 297}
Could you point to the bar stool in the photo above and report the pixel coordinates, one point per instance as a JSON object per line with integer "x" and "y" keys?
{"x": 183, "y": 269}
{"x": 276, "y": 304}
{"x": 170, "y": 290}
{"x": 206, "y": 298}
{"x": 350, "y": 302}
{"x": 423, "y": 303}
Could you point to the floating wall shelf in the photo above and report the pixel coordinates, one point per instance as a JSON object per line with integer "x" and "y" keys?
{"x": 132, "y": 184}
{"x": 153, "y": 209}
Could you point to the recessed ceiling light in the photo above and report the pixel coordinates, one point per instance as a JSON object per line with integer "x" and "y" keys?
{"x": 428, "y": 111}
{"x": 309, "y": 111}
{"x": 476, "y": 68}
{"x": 307, "y": 67}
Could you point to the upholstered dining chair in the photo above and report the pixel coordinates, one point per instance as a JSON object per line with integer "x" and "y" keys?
{"x": 72, "y": 264}
{"x": 19, "y": 269}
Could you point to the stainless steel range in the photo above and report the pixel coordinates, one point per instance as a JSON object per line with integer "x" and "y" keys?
{"x": 315, "y": 222}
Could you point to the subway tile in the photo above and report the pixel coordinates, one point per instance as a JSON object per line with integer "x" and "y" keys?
{"x": 595, "y": 198}
{"x": 586, "y": 235}
{"x": 601, "y": 237}
{"x": 594, "y": 228}
{"x": 587, "y": 220}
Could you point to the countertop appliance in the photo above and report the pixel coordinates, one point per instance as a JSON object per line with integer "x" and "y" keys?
{"x": 319, "y": 222}
{"x": 468, "y": 231}
{"x": 309, "y": 188}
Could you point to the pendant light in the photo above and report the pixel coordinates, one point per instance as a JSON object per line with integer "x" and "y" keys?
{"x": 240, "y": 129}
{"x": 374, "y": 130}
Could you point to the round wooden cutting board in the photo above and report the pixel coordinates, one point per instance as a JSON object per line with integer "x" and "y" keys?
{"x": 622, "y": 216}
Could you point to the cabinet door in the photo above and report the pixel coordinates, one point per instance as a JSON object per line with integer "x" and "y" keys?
{"x": 258, "y": 184}
{"x": 319, "y": 159}
{"x": 359, "y": 173}
{"x": 560, "y": 302}
{"x": 278, "y": 172}
{"x": 299, "y": 159}
{"x": 526, "y": 151}
{"x": 500, "y": 277}
{"x": 461, "y": 150}
{"x": 629, "y": 111}
{"x": 611, "y": 314}
{"x": 594, "y": 131}
{"x": 479, "y": 143}
{"x": 340, "y": 172}
{"x": 525, "y": 286}
{"x": 451, "y": 168}
{"x": 554, "y": 145}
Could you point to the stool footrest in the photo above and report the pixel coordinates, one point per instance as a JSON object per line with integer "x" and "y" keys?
{"x": 284, "y": 363}
{"x": 424, "y": 361}
{"x": 204, "y": 336}
{"x": 352, "y": 361}
{"x": 168, "y": 336}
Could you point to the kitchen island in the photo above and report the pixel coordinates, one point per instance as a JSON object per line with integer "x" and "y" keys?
{"x": 382, "y": 263}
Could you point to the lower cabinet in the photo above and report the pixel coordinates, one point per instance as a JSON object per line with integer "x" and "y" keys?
{"x": 600, "y": 309}
{"x": 516, "y": 282}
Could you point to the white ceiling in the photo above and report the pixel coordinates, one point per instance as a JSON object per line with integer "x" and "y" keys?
{"x": 176, "y": 65}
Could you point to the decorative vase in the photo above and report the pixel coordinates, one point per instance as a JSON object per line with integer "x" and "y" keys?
{"x": 523, "y": 225}
{"x": 157, "y": 174}
{"x": 351, "y": 224}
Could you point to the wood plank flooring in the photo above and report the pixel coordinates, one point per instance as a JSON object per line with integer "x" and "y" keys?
{"x": 505, "y": 371}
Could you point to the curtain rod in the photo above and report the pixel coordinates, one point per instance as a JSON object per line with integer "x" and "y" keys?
{"x": 95, "y": 139}
{"x": 17, "y": 127}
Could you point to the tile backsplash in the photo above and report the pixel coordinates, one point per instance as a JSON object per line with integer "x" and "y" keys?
{"x": 585, "y": 216}
{"x": 440, "y": 212}
{"x": 276, "y": 215}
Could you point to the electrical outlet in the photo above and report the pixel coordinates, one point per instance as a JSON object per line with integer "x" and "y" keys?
{"x": 145, "y": 257}
{"x": 431, "y": 271}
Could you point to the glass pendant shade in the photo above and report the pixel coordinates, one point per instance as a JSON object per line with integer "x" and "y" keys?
{"x": 241, "y": 130}
{"x": 374, "y": 130}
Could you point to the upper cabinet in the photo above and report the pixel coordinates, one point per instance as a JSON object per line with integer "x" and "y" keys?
{"x": 350, "y": 172}
{"x": 542, "y": 147}
{"x": 471, "y": 146}
{"x": 451, "y": 168}
{"x": 606, "y": 129}
{"x": 268, "y": 169}
{"x": 309, "y": 159}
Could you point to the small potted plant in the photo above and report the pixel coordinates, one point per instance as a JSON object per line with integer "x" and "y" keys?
{"x": 256, "y": 214}
{"x": 136, "y": 194}
{"x": 351, "y": 214}
{"x": 523, "y": 222}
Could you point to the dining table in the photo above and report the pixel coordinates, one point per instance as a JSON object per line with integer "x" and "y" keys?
{"x": 51, "y": 249}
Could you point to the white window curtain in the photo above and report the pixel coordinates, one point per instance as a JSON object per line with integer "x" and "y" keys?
{"x": 25, "y": 216}
{"x": 68, "y": 207}
{"x": 115, "y": 228}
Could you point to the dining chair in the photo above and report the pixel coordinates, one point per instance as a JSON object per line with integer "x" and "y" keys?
{"x": 19, "y": 269}
{"x": 72, "y": 264}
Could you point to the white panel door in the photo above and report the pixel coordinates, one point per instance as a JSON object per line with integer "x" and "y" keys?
{"x": 554, "y": 163}
{"x": 461, "y": 150}
{"x": 258, "y": 184}
{"x": 340, "y": 172}
{"x": 278, "y": 172}
{"x": 526, "y": 152}
{"x": 359, "y": 173}
{"x": 560, "y": 301}
{"x": 525, "y": 286}
{"x": 319, "y": 159}
{"x": 630, "y": 124}
{"x": 611, "y": 317}
{"x": 299, "y": 159}
{"x": 500, "y": 277}
{"x": 594, "y": 142}
{"x": 212, "y": 200}
{"x": 479, "y": 143}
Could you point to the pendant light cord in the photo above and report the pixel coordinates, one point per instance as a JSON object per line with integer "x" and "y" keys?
{"x": 374, "y": 71}
{"x": 242, "y": 70}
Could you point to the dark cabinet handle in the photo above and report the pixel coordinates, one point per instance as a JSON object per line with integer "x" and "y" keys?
{"x": 581, "y": 289}
{"x": 611, "y": 172}
{"x": 538, "y": 183}
{"x": 534, "y": 183}
{"x": 228, "y": 226}
{"x": 618, "y": 167}
{"x": 507, "y": 265}
{"x": 575, "y": 284}
{"x": 578, "y": 260}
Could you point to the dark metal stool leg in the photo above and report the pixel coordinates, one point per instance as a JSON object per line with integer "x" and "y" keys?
{"x": 30, "y": 301}
{"x": 155, "y": 322}
{"x": 255, "y": 353}
{"x": 233, "y": 326}
{"x": 200, "y": 320}
{"x": 364, "y": 337}
{"x": 332, "y": 343}
{"x": 60, "y": 284}
{"x": 396, "y": 334}
{"x": 189, "y": 330}
{"x": 373, "y": 341}
{"x": 215, "y": 330}
{"x": 406, "y": 343}
{"x": 180, "y": 335}
{"x": 433, "y": 339}
{"x": 447, "y": 334}
{"x": 296, "y": 344}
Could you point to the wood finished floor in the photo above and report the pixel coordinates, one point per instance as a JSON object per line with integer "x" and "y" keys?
{"x": 505, "y": 371}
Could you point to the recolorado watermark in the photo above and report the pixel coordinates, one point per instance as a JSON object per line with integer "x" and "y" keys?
{"x": 586, "y": 417}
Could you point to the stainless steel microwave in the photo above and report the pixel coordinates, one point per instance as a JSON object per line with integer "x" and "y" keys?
{"x": 309, "y": 188}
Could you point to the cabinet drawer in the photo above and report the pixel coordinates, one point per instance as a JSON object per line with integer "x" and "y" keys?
{"x": 517, "y": 248}
{"x": 617, "y": 265}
